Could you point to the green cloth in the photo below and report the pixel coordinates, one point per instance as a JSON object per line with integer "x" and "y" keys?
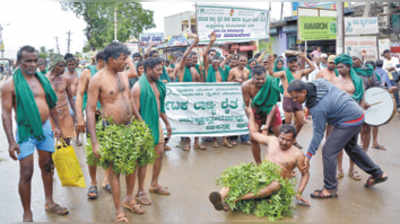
{"x": 275, "y": 69}
{"x": 267, "y": 96}
{"x": 357, "y": 80}
{"x": 202, "y": 74}
{"x": 187, "y": 75}
{"x": 28, "y": 116}
{"x": 149, "y": 107}
{"x": 289, "y": 75}
{"x": 367, "y": 71}
{"x": 225, "y": 74}
{"x": 164, "y": 75}
{"x": 211, "y": 76}
{"x": 93, "y": 71}
{"x": 44, "y": 72}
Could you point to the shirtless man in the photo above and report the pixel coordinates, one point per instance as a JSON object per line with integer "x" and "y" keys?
{"x": 282, "y": 152}
{"x": 80, "y": 105}
{"x": 150, "y": 90}
{"x": 185, "y": 72}
{"x": 267, "y": 116}
{"x": 33, "y": 127}
{"x": 239, "y": 73}
{"x": 64, "y": 95}
{"x": 288, "y": 75}
{"x": 111, "y": 88}
{"x": 42, "y": 66}
{"x": 329, "y": 73}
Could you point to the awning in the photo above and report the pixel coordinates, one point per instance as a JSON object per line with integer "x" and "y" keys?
{"x": 247, "y": 48}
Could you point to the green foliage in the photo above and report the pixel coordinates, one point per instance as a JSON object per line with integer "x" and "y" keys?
{"x": 250, "y": 178}
{"x": 99, "y": 16}
{"x": 123, "y": 146}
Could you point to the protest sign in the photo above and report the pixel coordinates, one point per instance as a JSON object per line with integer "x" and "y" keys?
{"x": 231, "y": 24}
{"x": 206, "y": 109}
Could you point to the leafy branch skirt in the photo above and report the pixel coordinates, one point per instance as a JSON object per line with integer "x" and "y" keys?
{"x": 345, "y": 138}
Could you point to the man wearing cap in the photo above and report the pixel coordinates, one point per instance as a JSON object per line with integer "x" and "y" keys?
{"x": 329, "y": 73}
{"x": 324, "y": 61}
{"x": 329, "y": 104}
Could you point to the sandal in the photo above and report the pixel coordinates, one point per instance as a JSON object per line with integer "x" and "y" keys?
{"x": 371, "y": 181}
{"x": 142, "y": 198}
{"x": 340, "y": 175}
{"x": 92, "y": 193}
{"x": 57, "y": 209}
{"x": 216, "y": 199}
{"x": 159, "y": 190}
{"x": 379, "y": 147}
{"x": 355, "y": 175}
{"x": 107, "y": 188}
{"x": 317, "y": 194}
{"x": 199, "y": 147}
{"x": 121, "y": 218}
{"x": 134, "y": 208}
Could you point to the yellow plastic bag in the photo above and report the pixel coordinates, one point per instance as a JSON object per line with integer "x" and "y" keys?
{"x": 67, "y": 165}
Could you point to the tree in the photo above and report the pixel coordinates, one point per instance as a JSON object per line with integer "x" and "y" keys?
{"x": 99, "y": 16}
{"x": 43, "y": 53}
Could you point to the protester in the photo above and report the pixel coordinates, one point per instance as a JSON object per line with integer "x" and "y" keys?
{"x": 34, "y": 101}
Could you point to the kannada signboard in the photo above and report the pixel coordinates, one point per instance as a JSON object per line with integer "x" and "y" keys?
{"x": 361, "y": 25}
{"x": 354, "y": 46}
{"x": 206, "y": 109}
{"x": 316, "y": 28}
{"x": 147, "y": 38}
{"x": 231, "y": 24}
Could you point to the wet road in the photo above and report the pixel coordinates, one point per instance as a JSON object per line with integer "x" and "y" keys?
{"x": 191, "y": 176}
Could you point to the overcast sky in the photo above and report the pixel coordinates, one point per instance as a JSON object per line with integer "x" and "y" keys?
{"x": 38, "y": 22}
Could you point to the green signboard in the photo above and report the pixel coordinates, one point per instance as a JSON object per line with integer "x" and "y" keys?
{"x": 316, "y": 28}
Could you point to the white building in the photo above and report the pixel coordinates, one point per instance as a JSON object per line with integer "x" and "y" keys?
{"x": 184, "y": 22}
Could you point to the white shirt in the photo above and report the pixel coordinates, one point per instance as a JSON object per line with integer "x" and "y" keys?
{"x": 391, "y": 63}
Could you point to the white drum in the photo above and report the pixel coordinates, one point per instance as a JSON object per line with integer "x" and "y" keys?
{"x": 382, "y": 106}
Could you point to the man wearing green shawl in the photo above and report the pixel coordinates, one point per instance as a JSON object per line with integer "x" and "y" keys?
{"x": 149, "y": 97}
{"x": 352, "y": 84}
{"x": 262, "y": 94}
{"x": 287, "y": 75}
{"x": 33, "y": 99}
{"x": 81, "y": 102}
{"x": 186, "y": 72}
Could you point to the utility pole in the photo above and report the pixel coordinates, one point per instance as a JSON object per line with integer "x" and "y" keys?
{"x": 340, "y": 27}
{"x": 282, "y": 6}
{"x": 69, "y": 42}
{"x": 57, "y": 45}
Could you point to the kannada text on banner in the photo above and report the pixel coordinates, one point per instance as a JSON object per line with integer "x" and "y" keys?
{"x": 231, "y": 24}
{"x": 206, "y": 109}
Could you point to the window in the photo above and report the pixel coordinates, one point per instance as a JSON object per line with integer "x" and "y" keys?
{"x": 291, "y": 41}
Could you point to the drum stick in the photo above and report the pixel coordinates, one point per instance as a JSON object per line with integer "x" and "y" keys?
{"x": 379, "y": 102}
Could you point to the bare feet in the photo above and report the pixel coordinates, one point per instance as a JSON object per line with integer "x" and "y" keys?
{"x": 216, "y": 199}
{"x": 340, "y": 174}
{"x": 199, "y": 146}
{"x": 121, "y": 218}
{"x": 56, "y": 209}
{"x": 355, "y": 175}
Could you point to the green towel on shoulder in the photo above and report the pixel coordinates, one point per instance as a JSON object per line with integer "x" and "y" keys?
{"x": 44, "y": 72}
{"x": 289, "y": 75}
{"x": 267, "y": 96}
{"x": 225, "y": 74}
{"x": 187, "y": 75}
{"x": 28, "y": 116}
{"x": 357, "y": 80}
{"x": 149, "y": 107}
{"x": 367, "y": 71}
{"x": 211, "y": 76}
{"x": 164, "y": 75}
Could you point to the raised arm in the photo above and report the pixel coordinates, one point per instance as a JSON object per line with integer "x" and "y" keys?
{"x": 148, "y": 50}
{"x": 213, "y": 37}
{"x": 260, "y": 58}
{"x": 181, "y": 64}
{"x": 311, "y": 67}
{"x": 131, "y": 72}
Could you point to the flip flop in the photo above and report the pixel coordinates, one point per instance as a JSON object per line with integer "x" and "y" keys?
{"x": 375, "y": 181}
{"x": 134, "y": 208}
{"x": 317, "y": 194}
{"x": 216, "y": 199}
{"x": 57, "y": 209}
{"x": 107, "y": 188}
{"x": 92, "y": 193}
{"x": 141, "y": 197}
{"x": 121, "y": 218}
{"x": 160, "y": 191}
{"x": 302, "y": 203}
{"x": 379, "y": 147}
{"x": 355, "y": 175}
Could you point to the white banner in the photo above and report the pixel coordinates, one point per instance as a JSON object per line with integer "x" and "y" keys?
{"x": 206, "y": 109}
{"x": 384, "y": 44}
{"x": 231, "y": 24}
{"x": 360, "y": 25}
{"x": 354, "y": 46}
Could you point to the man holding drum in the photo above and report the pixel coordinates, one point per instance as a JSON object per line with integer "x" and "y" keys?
{"x": 328, "y": 104}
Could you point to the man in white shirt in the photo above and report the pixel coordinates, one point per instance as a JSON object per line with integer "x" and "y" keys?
{"x": 390, "y": 62}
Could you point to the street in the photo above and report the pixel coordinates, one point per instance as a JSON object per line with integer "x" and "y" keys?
{"x": 191, "y": 176}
